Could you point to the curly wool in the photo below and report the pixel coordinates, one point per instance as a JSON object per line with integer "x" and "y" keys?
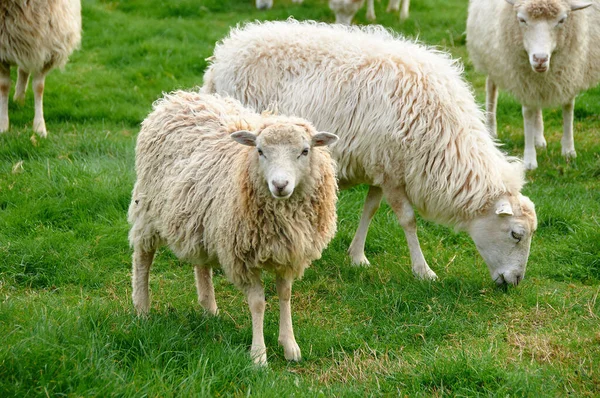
{"x": 403, "y": 112}
{"x": 495, "y": 45}
{"x": 39, "y": 34}
{"x": 200, "y": 192}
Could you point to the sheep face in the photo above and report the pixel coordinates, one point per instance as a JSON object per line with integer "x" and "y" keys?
{"x": 503, "y": 237}
{"x": 264, "y": 4}
{"x": 542, "y": 25}
{"x": 284, "y": 154}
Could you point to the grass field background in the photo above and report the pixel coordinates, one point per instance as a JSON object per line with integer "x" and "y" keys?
{"x": 66, "y": 317}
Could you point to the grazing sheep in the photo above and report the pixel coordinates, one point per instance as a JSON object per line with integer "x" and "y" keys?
{"x": 35, "y": 35}
{"x": 513, "y": 42}
{"x": 408, "y": 125}
{"x": 267, "y": 206}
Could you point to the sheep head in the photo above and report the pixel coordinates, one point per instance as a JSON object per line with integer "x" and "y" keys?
{"x": 503, "y": 237}
{"x": 284, "y": 154}
{"x": 542, "y": 24}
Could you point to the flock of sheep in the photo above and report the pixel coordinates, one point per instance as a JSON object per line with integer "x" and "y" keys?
{"x": 224, "y": 179}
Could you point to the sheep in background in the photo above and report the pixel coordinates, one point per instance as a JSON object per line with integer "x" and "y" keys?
{"x": 37, "y": 36}
{"x": 542, "y": 51}
{"x": 408, "y": 124}
{"x": 266, "y": 4}
{"x": 267, "y": 206}
{"x": 345, "y": 10}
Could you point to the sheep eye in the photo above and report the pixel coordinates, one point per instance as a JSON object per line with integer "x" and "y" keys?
{"x": 562, "y": 20}
{"x": 523, "y": 21}
{"x": 516, "y": 236}
{"x": 260, "y": 152}
{"x": 305, "y": 152}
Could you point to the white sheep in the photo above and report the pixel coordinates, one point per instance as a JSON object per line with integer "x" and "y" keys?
{"x": 266, "y": 4}
{"x": 267, "y": 206}
{"x": 408, "y": 125}
{"x": 512, "y": 42}
{"x": 37, "y": 36}
{"x": 345, "y": 10}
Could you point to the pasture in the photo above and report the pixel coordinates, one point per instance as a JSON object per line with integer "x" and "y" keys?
{"x": 66, "y": 316}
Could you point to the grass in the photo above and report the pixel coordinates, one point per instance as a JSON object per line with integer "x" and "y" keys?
{"x": 65, "y": 311}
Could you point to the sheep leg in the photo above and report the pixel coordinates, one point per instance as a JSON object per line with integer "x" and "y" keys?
{"x": 39, "y": 125}
{"x": 291, "y": 350}
{"x": 22, "y": 81}
{"x": 357, "y": 247}
{"x": 567, "y": 142}
{"x": 404, "y": 10}
{"x": 397, "y": 199}
{"x": 534, "y": 129}
{"x": 4, "y": 91}
{"x": 393, "y": 5}
{"x": 371, "y": 10}
{"x": 142, "y": 260}
{"x": 205, "y": 289}
{"x": 491, "y": 101}
{"x": 255, "y": 294}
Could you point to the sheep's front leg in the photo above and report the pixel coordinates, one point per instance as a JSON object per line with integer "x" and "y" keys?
{"x": 534, "y": 135}
{"x": 4, "y": 91}
{"x": 205, "y": 289}
{"x": 142, "y": 260}
{"x": 39, "y": 125}
{"x": 393, "y": 5}
{"x": 291, "y": 350}
{"x": 371, "y": 10}
{"x": 22, "y": 81}
{"x": 567, "y": 142}
{"x": 397, "y": 199}
{"x": 404, "y": 10}
{"x": 357, "y": 247}
{"x": 491, "y": 101}
{"x": 255, "y": 294}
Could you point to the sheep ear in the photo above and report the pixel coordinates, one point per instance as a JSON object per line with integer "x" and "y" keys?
{"x": 322, "y": 139}
{"x": 504, "y": 208}
{"x": 511, "y": 2}
{"x": 244, "y": 137}
{"x": 580, "y": 5}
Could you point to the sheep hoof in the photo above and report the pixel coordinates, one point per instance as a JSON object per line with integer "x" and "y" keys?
{"x": 424, "y": 273}
{"x": 259, "y": 356}
{"x": 40, "y": 128}
{"x": 392, "y": 8}
{"x": 569, "y": 153}
{"x": 360, "y": 260}
{"x": 291, "y": 350}
{"x": 371, "y": 17}
{"x": 3, "y": 126}
{"x": 530, "y": 164}
{"x": 19, "y": 99}
{"x": 540, "y": 143}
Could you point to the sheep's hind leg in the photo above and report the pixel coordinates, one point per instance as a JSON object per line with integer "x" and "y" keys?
{"x": 404, "y": 10}
{"x": 491, "y": 101}
{"x": 22, "y": 82}
{"x": 534, "y": 133}
{"x": 567, "y": 141}
{"x": 39, "y": 125}
{"x": 4, "y": 91}
{"x": 371, "y": 10}
{"x": 396, "y": 197}
{"x": 205, "y": 289}
{"x": 291, "y": 350}
{"x": 255, "y": 294}
{"x": 357, "y": 247}
{"x": 142, "y": 261}
{"x": 393, "y": 5}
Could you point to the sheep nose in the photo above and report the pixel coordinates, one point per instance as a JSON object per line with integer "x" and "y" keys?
{"x": 540, "y": 58}
{"x": 280, "y": 185}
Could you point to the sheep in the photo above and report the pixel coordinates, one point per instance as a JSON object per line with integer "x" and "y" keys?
{"x": 345, "y": 10}
{"x": 36, "y": 36}
{"x": 408, "y": 126}
{"x": 512, "y": 42}
{"x": 267, "y": 206}
{"x": 267, "y": 4}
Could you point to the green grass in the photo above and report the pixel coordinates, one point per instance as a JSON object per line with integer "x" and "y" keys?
{"x": 66, "y": 316}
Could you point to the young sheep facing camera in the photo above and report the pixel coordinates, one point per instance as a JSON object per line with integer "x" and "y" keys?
{"x": 267, "y": 205}
{"x": 35, "y": 35}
